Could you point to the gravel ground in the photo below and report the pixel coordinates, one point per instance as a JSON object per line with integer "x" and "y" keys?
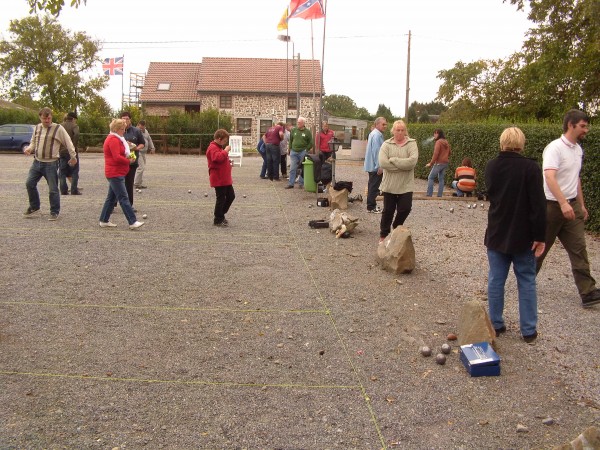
{"x": 268, "y": 334}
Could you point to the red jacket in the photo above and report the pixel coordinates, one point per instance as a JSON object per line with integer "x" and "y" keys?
{"x": 219, "y": 168}
{"x": 324, "y": 139}
{"x": 116, "y": 164}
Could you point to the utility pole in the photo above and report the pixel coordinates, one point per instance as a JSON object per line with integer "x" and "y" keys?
{"x": 298, "y": 89}
{"x": 407, "y": 79}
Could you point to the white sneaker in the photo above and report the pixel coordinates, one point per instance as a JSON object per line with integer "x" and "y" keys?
{"x": 107, "y": 224}
{"x": 135, "y": 225}
{"x": 376, "y": 210}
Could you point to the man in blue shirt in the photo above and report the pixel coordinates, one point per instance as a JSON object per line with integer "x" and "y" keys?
{"x": 371, "y": 166}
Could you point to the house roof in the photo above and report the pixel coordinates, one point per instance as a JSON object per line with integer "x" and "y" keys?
{"x": 262, "y": 75}
{"x": 227, "y": 75}
{"x": 183, "y": 80}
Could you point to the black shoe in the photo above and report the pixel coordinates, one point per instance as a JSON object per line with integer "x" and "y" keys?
{"x": 225, "y": 222}
{"x": 500, "y": 330}
{"x": 30, "y": 212}
{"x": 530, "y": 338}
{"x": 76, "y": 193}
{"x": 289, "y": 186}
{"x": 454, "y": 194}
{"x": 263, "y": 178}
{"x": 221, "y": 224}
{"x": 64, "y": 193}
{"x": 591, "y": 298}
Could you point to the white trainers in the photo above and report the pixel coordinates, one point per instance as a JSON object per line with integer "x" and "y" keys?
{"x": 135, "y": 225}
{"x": 376, "y": 210}
{"x": 107, "y": 224}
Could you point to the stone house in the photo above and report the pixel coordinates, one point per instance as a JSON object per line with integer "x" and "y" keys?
{"x": 256, "y": 92}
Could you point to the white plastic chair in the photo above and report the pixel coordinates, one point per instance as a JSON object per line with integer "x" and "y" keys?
{"x": 236, "y": 151}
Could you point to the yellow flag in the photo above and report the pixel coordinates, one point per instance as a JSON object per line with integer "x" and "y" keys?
{"x": 282, "y": 25}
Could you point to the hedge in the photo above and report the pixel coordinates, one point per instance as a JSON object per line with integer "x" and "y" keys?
{"x": 481, "y": 142}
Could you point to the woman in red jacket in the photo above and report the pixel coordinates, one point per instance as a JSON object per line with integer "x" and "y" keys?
{"x": 116, "y": 166}
{"x": 219, "y": 172}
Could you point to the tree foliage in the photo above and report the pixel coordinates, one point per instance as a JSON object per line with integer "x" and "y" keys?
{"x": 340, "y": 106}
{"x": 558, "y": 68}
{"x": 49, "y": 64}
{"x": 53, "y": 7}
{"x": 420, "y": 112}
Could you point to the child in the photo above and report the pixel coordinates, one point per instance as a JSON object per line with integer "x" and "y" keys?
{"x": 219, "y": 172}
{"x": 464, "y": 179}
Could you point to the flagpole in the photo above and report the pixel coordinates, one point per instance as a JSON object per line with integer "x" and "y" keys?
{"x": 122, "y": 85}
{"x": 322, "y": 63}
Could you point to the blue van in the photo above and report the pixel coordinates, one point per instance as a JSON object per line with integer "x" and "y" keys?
{"x": 15, "y": 136}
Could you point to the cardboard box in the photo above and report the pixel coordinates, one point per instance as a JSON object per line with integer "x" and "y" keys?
{"x": 480, "y": 359}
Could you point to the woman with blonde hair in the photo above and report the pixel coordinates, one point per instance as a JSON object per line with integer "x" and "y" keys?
{"x": 117, "y": 157}
{"x": 516, "y": 230}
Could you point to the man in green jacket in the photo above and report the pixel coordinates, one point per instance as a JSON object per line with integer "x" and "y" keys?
{"x": 301, "y": 142}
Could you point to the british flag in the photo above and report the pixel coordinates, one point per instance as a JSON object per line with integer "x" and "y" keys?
{"x": 306, "y": 9}
{"x": 113, "y": 66}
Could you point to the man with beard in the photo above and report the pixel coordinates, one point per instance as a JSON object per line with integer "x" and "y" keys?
{"x": 565, "y": 207}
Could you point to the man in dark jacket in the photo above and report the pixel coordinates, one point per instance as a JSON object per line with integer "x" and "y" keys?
{"x": 516, "y": 229}
{"x": 64, "y": 169}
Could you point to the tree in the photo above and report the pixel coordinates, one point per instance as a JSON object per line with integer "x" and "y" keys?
{"x": 340, "y": 105}
{"x": 49, "y": 64}
{"x": 54, "y": 7}
{"x": 418, "y": 110}
{"x": 558, "y": 67}
{"x": 384, "y": 111}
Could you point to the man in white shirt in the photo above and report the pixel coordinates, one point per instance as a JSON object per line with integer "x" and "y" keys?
{"x": 565, "y": 207}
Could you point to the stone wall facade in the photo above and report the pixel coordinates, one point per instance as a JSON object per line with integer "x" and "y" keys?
{"x": 255, "y": 107}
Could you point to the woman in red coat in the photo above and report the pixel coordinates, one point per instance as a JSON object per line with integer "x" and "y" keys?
{"x": 219, "y": 172}
{"x": 116, "y": 166}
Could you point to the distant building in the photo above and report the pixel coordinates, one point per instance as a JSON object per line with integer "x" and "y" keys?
{"x": 256, "y": 92}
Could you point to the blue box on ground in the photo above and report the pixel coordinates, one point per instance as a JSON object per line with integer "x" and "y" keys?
{"x": 480, "y": 359}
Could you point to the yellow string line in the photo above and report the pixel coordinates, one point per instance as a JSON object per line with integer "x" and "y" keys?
{"x": 180, "y": 382}
{"x": 168, "y": 308}
{"x": 355, "y": 369}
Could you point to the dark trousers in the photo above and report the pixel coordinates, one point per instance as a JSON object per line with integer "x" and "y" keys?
{"x": 571, "y": 234}
{"x": 273, "y": 161}
{"x": 401, "y": 204}
{"x": 65, "y": 171}
{"x": 284, "y": 165}
{"x": 225, "y": 197}
{"x": 373, "y": 189}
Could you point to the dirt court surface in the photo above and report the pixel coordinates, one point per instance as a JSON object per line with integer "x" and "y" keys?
{"x": 268, "y": 334}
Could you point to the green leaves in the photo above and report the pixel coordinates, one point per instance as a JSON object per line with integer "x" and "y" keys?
{"x": 558, "y": 68}
{"x": 53, "y": 7}
{"x": 50, "y": 63}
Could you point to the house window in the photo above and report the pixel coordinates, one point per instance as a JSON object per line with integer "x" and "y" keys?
{"x": 225, "y": 102}
{"x": 292, "y": 103}
{"x": 163, "y": 87}
{"x": 265, "y": 125}
{"x": 192, "y": 108}
{"x": 243, "y": 126}
{"x": 291, "y": 121}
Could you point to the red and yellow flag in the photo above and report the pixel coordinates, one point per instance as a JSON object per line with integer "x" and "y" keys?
{"x": 282, "y": 25}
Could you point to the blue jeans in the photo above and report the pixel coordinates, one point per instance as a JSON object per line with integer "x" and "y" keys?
{"x": 117, "y": 191}
{"x": 273, "y": 160}
{"x": 524, "y": 269}
{"x": 438, "y": 170}
{"x": 296, "y": 159}
{"x": 263, "y": 170}
{"x": 48, "y": 170}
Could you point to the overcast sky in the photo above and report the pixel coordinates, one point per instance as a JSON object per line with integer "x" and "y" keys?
{"x": 365, "y": 46}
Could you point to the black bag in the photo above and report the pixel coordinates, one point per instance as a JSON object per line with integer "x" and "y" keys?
{"x": 339, "y": 185}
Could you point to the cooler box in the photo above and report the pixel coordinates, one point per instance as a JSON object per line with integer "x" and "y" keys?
{"x": 480, "y": 359}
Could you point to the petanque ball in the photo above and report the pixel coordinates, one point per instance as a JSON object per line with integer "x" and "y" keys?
{"x": 440, "y": 359}
{"x": 145, "y": 216}
{"x": 425, "y": 351}
{"x": 446, "y": 348}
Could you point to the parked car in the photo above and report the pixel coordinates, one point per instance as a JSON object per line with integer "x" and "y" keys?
{"x": 15, "y": 136}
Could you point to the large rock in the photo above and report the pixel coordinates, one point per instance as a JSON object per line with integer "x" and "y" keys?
{"x": 588, "y": 440}
{"x": 397, "y": 253}
{"x": 474, "y": 324}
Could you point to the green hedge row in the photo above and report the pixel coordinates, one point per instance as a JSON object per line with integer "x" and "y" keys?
{"x": 481, "y": 142}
